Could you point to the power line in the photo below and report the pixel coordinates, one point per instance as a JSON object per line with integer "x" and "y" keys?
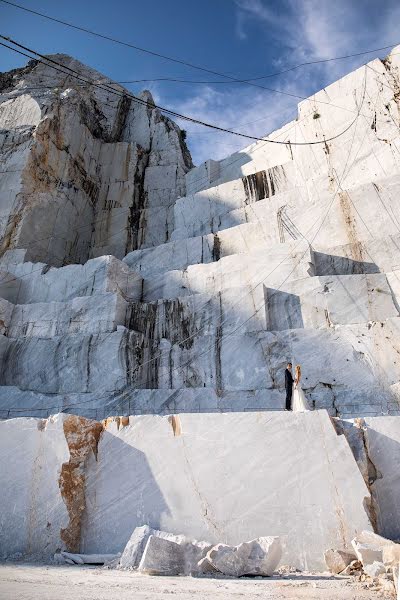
{"x": 186, "y": 63}
{"x": 166, "y": 110}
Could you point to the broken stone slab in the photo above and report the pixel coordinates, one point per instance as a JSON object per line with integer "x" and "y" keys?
{"x": 369, "y": 546}
{"x": 206, "y": 567}
{"x": 338, "y": 560}
{"x": 256, "y": 557}
{"x": 133, "y": 551}
{"x": 84, "y": 559}
{"x": 366, "y": 553}
{"x": 374, "y": 569}
{"x": 194, "y": 551}
{"x": 162, "y": 557}
{"x": 353, "y": 568}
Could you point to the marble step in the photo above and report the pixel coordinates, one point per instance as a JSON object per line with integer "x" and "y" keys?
{"x": 345, "y": 403}
{"x": 356, "y": 213}
{"x": 350, "y": 357}
{"x": 365, "y": 150}
{"x": 83, "y": 315}
{"x": 272, "y": 267}
{"x": 27, "y": 282}
{"x": 204, "y": 206}
{"x": 353, "y": 218}
{"x": 314, "y": 302}
{"x": 240, "y": 270}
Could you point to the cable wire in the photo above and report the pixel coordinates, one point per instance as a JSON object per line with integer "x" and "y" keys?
{"x": 162, "y": 109}
{"x": 186, "y": 63}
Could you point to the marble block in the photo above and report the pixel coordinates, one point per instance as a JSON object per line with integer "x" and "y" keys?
{"x": 210, "y": 487}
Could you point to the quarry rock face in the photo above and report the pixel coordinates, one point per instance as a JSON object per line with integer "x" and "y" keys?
{"x": 133, "y": 284}
{"x": 86, "y": 171}
{"x": 236, "y": 477}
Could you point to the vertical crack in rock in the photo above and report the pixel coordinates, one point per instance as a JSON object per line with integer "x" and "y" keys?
{"x": 137, "y": 219}
{"x": 342, "y": 525}
{"x": 216, "y": 251}
{"x": 82, "y": 436}
{"x": 124, "y": 106}
{"x": 218, "y": 349}
{"x": 355, "y": 434}
{"x": 370, "y": 474}
{"x": 205, "y": 506}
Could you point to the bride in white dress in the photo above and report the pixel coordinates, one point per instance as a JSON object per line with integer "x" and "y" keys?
{"x": 300, "y": 402}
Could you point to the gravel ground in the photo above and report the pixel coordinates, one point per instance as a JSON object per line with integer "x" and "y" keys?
{"x": 43, "y": 582}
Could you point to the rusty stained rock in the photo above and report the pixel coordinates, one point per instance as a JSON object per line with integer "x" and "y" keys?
{"x": 82, "y": 436}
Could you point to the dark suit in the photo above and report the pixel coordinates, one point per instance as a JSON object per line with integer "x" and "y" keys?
{"x": 289, "y": 389}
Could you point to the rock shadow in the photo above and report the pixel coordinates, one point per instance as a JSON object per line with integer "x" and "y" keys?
{"x": 329, "y": 264}
{"x": 282, "y": 310}
{"x": 383, "y": 454}
{"x": 121, "y": 494}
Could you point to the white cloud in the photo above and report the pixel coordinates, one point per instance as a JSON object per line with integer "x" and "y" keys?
{"x": 243, "y": 109}
{"x": 305, "y": 30}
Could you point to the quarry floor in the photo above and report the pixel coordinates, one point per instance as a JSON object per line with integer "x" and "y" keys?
{"x": 44, "y": 582}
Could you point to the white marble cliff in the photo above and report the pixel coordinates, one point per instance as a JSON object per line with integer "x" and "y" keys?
{"x": 228, "y": 269}
{"x": 132, "y": 283}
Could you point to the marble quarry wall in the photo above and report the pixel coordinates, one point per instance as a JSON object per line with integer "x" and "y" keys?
{"x": 132, "y": 283}
{"x": 68, "y": 494}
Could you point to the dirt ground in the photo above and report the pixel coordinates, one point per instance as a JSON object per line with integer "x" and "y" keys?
{"x": 43, "y": 582}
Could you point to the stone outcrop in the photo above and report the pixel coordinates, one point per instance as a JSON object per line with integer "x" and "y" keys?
{"x": 85, "y": 171}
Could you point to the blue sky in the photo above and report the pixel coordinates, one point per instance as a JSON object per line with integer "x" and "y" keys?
{"x": 243, "y": 38}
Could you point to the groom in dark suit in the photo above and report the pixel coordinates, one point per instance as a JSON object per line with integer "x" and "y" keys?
{"x": 288, "y": 386}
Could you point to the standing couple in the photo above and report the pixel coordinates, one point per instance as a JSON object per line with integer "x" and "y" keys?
{"x": 295, "y": 398}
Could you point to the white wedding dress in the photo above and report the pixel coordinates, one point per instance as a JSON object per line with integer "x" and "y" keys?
{"x": 299, "y": 401}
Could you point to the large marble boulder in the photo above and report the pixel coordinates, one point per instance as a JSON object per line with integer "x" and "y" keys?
{"x": 133, "y": 551}
{"x": 257, "y": 557}
{"x": 172, "y": 555}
